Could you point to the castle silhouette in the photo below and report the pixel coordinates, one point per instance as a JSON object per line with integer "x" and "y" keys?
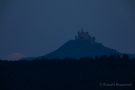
{"x": 82, "y": 35}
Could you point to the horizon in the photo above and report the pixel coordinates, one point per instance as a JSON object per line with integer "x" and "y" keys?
{"x": 82, "y": 36}
{"x": 18, "y": 55}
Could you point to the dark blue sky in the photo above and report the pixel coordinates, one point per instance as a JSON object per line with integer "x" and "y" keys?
{"x": 37, "y": 27}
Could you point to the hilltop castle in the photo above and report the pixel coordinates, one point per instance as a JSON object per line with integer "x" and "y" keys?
{"x": 84, "y": 36}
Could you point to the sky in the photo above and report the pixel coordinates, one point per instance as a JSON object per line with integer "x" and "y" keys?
{"x": 36, "y": 27}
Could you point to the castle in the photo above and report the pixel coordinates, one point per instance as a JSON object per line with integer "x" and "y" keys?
{"x": 84, "y": 36}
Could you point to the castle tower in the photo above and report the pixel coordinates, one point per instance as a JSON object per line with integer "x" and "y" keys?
{"x": 82, "y": 35}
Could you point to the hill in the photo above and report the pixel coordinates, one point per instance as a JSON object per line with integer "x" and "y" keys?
{"x": 83, "y": 46}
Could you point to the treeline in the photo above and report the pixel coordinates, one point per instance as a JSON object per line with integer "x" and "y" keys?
{"x": 67, "y": 74}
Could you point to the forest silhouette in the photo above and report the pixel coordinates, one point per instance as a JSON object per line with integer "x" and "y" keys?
{"x": 67, "y": 74}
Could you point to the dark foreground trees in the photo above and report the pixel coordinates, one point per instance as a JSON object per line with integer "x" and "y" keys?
{"x": 68, "y": 74}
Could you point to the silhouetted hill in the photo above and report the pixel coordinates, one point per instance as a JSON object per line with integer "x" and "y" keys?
{"x": 80, "y": 48}
{"x": 83, "y": 46}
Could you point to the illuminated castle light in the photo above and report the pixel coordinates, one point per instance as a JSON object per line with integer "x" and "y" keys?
{"x": 82, "y": 35}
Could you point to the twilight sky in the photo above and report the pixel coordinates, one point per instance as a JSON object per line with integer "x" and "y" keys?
{"x": 37, "y": 27}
